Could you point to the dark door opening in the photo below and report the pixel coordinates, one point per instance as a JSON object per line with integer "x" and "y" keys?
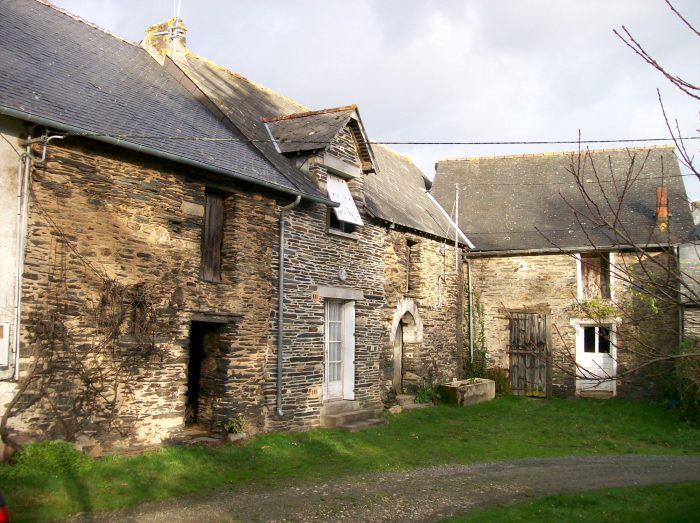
{"x": 201, "y": 373}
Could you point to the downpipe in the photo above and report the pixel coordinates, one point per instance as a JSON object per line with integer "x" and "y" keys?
{"x": 23, "y": 177}
{"x": 280, "y": 306}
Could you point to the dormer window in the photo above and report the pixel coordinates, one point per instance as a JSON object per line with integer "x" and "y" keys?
{"x": 345, "y": 218}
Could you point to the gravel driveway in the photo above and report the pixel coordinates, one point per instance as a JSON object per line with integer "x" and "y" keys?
{"x": 425, "y": 494}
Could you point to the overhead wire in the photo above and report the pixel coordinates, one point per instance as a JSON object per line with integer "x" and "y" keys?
{"x": 380, "y": 142}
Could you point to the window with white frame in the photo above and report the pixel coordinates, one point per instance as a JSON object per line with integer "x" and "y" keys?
{"x": 596, "y": 339}
{"x": 339, "y": 374}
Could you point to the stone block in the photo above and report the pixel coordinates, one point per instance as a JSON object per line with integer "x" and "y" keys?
{"x": 468, "y": 392}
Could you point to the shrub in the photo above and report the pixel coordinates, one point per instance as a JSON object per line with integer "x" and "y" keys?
{"x": 427, "y": 394}
{"x": 501, "y": 379}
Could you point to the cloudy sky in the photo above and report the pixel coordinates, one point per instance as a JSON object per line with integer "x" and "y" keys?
{"x": 449, "y": 70}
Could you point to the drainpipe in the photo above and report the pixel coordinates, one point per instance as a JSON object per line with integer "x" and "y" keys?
{"x": 471, "y": 311}
{"x": 280, "y": 306}
{"x": 23, "y": 175}
{"x": 681, "y": 326}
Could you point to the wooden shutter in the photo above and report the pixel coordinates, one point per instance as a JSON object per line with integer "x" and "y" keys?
{"x": 212, "y": 236}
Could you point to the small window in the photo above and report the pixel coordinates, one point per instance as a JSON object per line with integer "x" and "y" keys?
{"x": 595, "y": 275}
{"x": 339, "y": 225}
{"x": 212, "y": 236}
{"x": 589, "y": 339}
{"x": 596, "y": 339}
{"x": 412, "y": 259}
{"x": 345, "y": 218}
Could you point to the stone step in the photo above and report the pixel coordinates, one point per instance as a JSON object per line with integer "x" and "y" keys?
{"x": 344, "y": 419}
{"x": 359, "y": 425}
{"x": 405, "y": 399}
{"x": 339, "y": 407}
{"x": 414, "y": 406}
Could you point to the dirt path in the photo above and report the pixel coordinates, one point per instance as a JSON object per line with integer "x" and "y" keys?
{"x": 426, "y": 494}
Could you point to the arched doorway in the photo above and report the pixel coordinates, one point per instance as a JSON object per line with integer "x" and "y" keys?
{"x": 406, "y": 357}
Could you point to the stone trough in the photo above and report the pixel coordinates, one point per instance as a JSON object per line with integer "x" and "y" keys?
{"x": 467, "y": 392}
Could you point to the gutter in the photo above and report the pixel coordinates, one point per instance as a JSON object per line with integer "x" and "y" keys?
{"x": 526, "y": 252}
{"x": 158, "y": 153}
{"x": 280, "y": 307}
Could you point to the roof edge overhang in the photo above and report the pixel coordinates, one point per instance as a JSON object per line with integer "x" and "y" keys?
{"x": 78, "y": 132}
{"x": 571, "y": 250}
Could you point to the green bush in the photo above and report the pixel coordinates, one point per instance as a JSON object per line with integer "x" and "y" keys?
{"x": 426, "y": 394}
{"x": 688, "y": 376}
{"x": 501, "y": 379}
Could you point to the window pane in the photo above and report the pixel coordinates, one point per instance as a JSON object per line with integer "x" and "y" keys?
{"x": 334, "y": 311}
{"x": 589, "y": 339}
{"x": 604, "y": 340}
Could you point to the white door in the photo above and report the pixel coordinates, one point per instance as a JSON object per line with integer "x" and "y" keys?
{"x": 334, "y": 350}
{"x": 339, "y": 368}
{"x": 595, "y": 349}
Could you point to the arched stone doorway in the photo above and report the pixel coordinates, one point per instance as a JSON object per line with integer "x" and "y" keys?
{"x": 406, "y": 339}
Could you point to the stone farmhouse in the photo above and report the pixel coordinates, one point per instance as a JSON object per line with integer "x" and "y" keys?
{"x": 573, "y": 270}
{"x": 182, "y": 246}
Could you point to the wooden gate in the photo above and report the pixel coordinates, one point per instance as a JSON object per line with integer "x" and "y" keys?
{"x": 529, "y": 350}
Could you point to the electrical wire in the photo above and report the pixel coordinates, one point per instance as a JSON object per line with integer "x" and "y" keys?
{"x": 378, "y": 142}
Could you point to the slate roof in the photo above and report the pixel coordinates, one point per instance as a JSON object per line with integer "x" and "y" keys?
{"x": 246, "y": 104}
{"x": 397, "y": 194}
{"x": 318, "y": 127}
{"x": 504, "y": 201}
{"x": 62, "y": 69}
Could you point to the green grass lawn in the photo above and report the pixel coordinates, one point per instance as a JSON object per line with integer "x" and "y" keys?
{"x": 52, "y": 481}
{"x": 676, "y": 503}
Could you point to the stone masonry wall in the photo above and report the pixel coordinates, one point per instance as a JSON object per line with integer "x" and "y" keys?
{"x": 543, "y": 284}
{"x": 315, "y": 257}
{"x": 101, "y": 214}
{"x": 431, "y": 291}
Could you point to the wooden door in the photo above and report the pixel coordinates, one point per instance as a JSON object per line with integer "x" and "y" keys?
{"x": 529, "y": 351}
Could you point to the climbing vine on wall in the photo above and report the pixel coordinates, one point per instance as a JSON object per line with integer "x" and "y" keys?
{"x": 87, "y": 345}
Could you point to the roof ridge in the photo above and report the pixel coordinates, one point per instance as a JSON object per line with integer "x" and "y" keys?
{"x": 330, "y": 110}
{"x": 395, "y": 153}
{"x": 77, "y": 18}
{"x": 228, "y": 71}
{"x": 556, "y": 153}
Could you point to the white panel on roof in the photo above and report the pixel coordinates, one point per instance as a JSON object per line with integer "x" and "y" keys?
{"x": 339, "y": 192}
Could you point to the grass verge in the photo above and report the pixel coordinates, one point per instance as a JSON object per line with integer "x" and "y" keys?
{"x": 50, "y": 481}
{"x": 679, "y": 502}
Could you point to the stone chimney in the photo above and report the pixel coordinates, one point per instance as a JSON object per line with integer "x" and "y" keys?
{"x": 661, "y": 204}
{"x": 165, "y": 38}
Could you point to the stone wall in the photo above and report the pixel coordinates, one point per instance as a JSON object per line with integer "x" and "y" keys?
{"x": 100, "y": 216}
{"x": 420, "y": 280}
{"x": 316, "y": 257}
{"x": 540, "y": 284}
{"x": 547, "y": 285}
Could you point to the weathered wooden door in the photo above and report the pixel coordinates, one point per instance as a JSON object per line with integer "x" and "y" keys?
{"x": 529, "y": 350}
